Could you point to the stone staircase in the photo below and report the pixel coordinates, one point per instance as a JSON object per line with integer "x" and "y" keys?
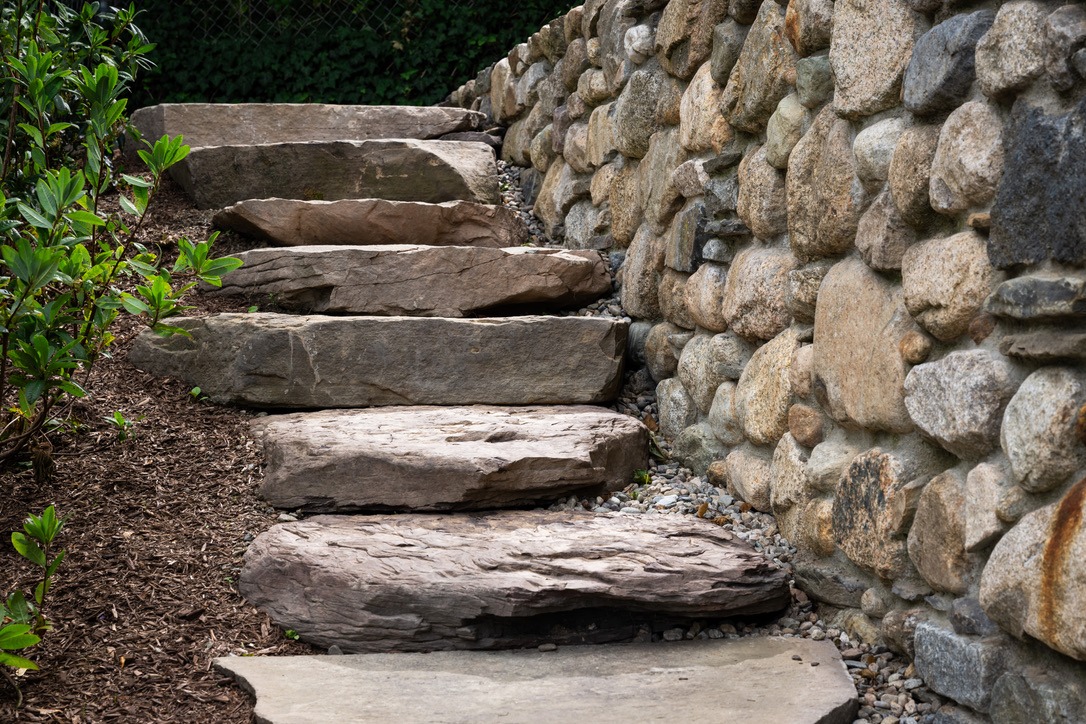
{"x": 421, "y": 392}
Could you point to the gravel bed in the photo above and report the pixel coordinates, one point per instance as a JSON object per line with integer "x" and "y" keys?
{"x": 888, "y": 686}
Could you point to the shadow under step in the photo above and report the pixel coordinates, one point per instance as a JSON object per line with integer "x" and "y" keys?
{"x": 429, "y": 281}
{"x": 446, "y": 458}
{"x": 371, "y": 222}
{"x": 307, "y": 362}
{"x": 752, "y": 680}
{"x": 482, "y": 581}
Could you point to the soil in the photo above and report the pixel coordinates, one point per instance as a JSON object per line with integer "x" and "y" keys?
{"x": 158, "y": 521}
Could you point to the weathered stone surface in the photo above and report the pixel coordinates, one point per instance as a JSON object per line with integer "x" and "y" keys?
{"x": 503, "y": 92}
{"x": 702, "y": 127}
{"x": 397, "y": 170}
{"x": 814, "y": 81}
{"x": 959, "y": 400}
{"x": 592, "y": 87}
{"x": 1040, "y": 205}
{"x": 1039, "y": 297}
{"x": 638, "y": 43}
{"x": 806, "y": 425}
{"x": 1053, "y": 692}
{"x": 748, "y": 476}
{"x": 961, "y": 667}
{"x": 874, "y": 148}
{"x": 859, "y": 324}
{"x": 1038, "y": 433}
{"x": 706, "y": 362}
{"x": 624, "y": 197}
{"x": 517, "y": 144}
{"x": 586, "y": 226}
{"x": 575, "y": 148}
{"x": 755, "y": 298}
{"x": 789, "y": 488}
{"x": 1052, "y": 345}
{"x": 239, "y": 124}
{"x": 762, "y": 203}
{"x": 429, "y": 281}
{"x": 946, "y": 282}
{"x": 762, "y": 75}
{"x": 281, "y": 361}
{"x": 969, "y": 159}
{"x": 663, "y": 345}
{"x": 910, "y": 173}
{"x": 1011, "y": 53}
{"x": 986, "y": 485}
{"x": 871, "y": 509}
{"x": 1065, "y": 33}
{"x": 871, "y": 46}
{"x": 673, "y": 298}
{"x": 676, "y": 407}
{"x": 445, "y": 458}
{"x": 600, "y": 142}
{"x": 883, "y": 237}
{"x": 830, "y": 581}
{"x": 801, "y": 370}
{"x": 937, "y": 536}
{"x": 723, "y": 420}
{"x": 786, "y": 126}
{"x": 803, "y": 286}
{"x": 562, "y": 188}
{"x": 294, "y": 222}
{"x": 685, "y": 35}
{"x": 824, "y": 201}
{"x": 686, "y": 237}
{"x": 621, "y": 682}
{"x": 942, "y": 67}
{"x": 649, "y": 102}
{"x": 728, "y": 38}
{"x": 697, "y": 447}
{"x": 705, "y": 297}
{"x": 765, "y": 390}
{"x": 816, "y": 528}
{"x": 641, "y": 275}
{"x": 690, "y": 178}
{"x": 1034, "y": 581}
{"x": 380, "y": 583}
{"x": 659, "y": 198}
{"x": 808, "y": 25}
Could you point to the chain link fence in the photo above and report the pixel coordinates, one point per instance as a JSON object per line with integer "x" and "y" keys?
{"x": 334, "y": 51}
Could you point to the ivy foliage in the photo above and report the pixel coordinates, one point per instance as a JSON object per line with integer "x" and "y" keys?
{"x": 332, "y": 51}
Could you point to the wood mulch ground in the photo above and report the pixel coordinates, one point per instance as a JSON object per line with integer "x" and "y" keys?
{"x": 147, "y": 596}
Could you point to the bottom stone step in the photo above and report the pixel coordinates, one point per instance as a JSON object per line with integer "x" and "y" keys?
{"x": 500, "y": 580}
{"x": 446, "y": 458}
{"x": 753, "y": 681}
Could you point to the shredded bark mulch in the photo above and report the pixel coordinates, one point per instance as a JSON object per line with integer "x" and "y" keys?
{"x": 158, "y": 522}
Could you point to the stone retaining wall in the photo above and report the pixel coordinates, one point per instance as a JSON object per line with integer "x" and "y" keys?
{"x": 854, "y": 238}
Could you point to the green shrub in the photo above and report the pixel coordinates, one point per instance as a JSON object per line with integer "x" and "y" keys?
{"x": 63, "y": 256}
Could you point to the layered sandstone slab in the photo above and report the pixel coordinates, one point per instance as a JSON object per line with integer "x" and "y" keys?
{"x": 367, "y": 222}
{"x": 397, "y": 170}
{"x": 422, "y": 582}
{"x": 446, "y": 458}
{"x": 288, "y": 361}
{"x": 236, "y": 124}
{"x": 697, "y": 682}
{"x": 427, "y": 281}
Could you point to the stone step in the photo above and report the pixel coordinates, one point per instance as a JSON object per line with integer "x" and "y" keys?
{"x": 299, "y": 362}
{"x": 500, "y": 580}
{"x": 419, "y": 281}
{"x": 393, "y": 169}
{"x": 748, "y": 681}
{"x": 369, "y": 222}
{"x": 446, "y": 458}
{"x": 236, "y": 124}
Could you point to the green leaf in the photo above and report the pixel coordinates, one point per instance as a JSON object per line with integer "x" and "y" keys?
{"x": 85, "y": 217}
{"x": 28, "y": 549}
{"x": 17, "y": 662}
{"x": 133, "y": 305}
{"x": 34, "y": 218}
{"x": 16, "y": 636}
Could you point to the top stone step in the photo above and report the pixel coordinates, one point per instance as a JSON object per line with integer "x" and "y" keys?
{"x": 238, "y": 124}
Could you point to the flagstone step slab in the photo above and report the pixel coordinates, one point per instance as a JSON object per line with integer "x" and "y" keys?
{"x": 750, "y": 680}
{"x": 429, "y": 281}
{"x": 479, "y": 581}
{"x": 446, "y": 458}
{"x": 306, "y": 362}
{"x": 397, "y": 170}
{"x": 369, "y": 222}
{"x": 233, "y": 124}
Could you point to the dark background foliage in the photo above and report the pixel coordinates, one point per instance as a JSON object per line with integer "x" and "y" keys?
{"x": 331, "y": 51}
